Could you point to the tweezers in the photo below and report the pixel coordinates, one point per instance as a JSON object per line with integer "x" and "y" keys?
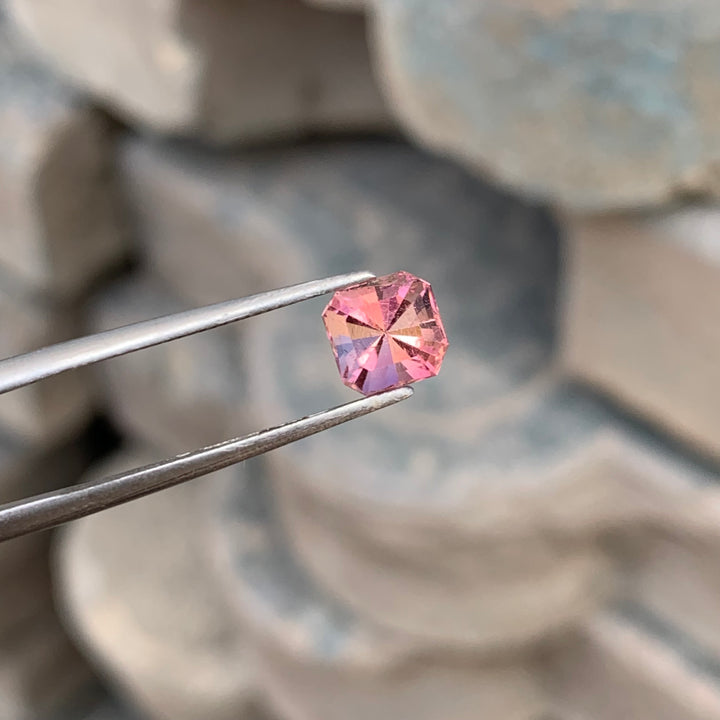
{"x": 49, "y": 510}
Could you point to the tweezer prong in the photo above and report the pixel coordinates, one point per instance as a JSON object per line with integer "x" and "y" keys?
{"x": 15, "y": 372}
{"x": 55, "y": 508}
{"x": 47, "y": 511}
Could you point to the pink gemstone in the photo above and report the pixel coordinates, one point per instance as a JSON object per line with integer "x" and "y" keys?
{"x": 386, "y": 333}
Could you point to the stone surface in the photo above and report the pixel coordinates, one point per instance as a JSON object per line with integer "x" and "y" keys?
{"x": 214, "y": 225}
{"x": 40, "y": 671}
{"x": 496, "y": 477}
{"x": 331, "y": 208}
{"x": 386, "y": 333}
{"x": 589, "y": 104}
{"x": 518, "y": 479}
{"x": 340, "y": 4}
{"x": 180, "y": 395}
{"x": 616, "y": 667}
{"x": 58, "y": 202}
{"x": 193, "y": 211}
{"x": 413, "y": 552}
{"x": 26, "y": 470}
{"x": 139, "y": 593}
{"x": 510, "y": 560}
{"x": 639, "y": 315}
{"x": 56, "y": 408}
{"x": 19, "y": 552}
{"x": 221, "y": 70}
{"x": 517, "y": 472}
{"x": 318, "y": 660}
{"x": 674, "y": 573}
{"x": 102, "y": 708}
{"x": 521, "y": 473}
{"x": 26, "y": 594}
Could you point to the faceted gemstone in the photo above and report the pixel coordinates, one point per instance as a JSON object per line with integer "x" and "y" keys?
{"x": 386, "y": 332}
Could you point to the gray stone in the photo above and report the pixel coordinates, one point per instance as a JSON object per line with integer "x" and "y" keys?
{"x": 140, "y": 593}
{"x": 201, "y": 229}
{"x": 217, "y": 225}
{"x": 616, "y": 667}
{"x": 317, "y": 659}
{"x": 180, "y": 395}
{"x": 219, "y": 69}
{"x": 640, "y": 314}
{"x": 590, "y": 104}
{"x": 675, "y": 574}
{"x": 500, "y": 559}
{"x": 26, "y": 595}
{"x": 58, "y": 203}
{"x": 19, "y": 552}
{"x": 26, "y": 470}
{"x": 436, "y": 516}
{"x": 509, "y": 559}
{"x": 40, "y": 670}
{"x": 383, "y": 511}
{"x": 433, "y": 516}
{"x": 495, "y": 412}
{"x": 102, "y": 709}
{"x": 340, "y": 4}
{"x": 54, "y": 409}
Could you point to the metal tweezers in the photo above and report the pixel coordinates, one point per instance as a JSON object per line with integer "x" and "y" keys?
{"x": 43, "y": 512}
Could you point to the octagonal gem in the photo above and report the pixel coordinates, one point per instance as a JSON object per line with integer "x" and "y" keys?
{"x": 386, "y": 332}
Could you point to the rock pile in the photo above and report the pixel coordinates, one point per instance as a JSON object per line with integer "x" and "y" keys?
{"x": 59, "y": 229}
{"x": 508, "y": 544}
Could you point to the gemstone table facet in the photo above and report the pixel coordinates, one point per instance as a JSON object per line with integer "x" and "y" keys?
{"x": 386, "y": 333}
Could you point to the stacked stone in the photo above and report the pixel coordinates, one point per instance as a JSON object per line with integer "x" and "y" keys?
{"x": 142, "y": 593}
{"x": 222, "y": 71}
{"x": 321, "y": 209}
{"x": 59, "y": 230}
{"x": 605, "y": 110}
{"x": 39, "y": 668}
{"x": 138, "y": 584}
{"x": 468, "y": 557}
{"x": 501, "y": 545}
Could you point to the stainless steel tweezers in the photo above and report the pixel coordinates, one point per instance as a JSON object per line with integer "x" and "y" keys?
{"x": 51, "y": 509}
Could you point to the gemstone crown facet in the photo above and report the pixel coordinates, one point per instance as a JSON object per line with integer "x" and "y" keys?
{"x": 385, "y": 333}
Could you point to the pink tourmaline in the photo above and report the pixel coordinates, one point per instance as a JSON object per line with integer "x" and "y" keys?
{"x": 386, "y": 332}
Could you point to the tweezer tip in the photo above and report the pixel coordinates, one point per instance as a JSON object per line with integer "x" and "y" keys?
{"x": 357, "y": 277}
{"x": 401, "y": 393}
{"x": 390, "y": 397}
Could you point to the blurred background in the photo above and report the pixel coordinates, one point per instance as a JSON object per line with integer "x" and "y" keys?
{"x": 536, "y": 534}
